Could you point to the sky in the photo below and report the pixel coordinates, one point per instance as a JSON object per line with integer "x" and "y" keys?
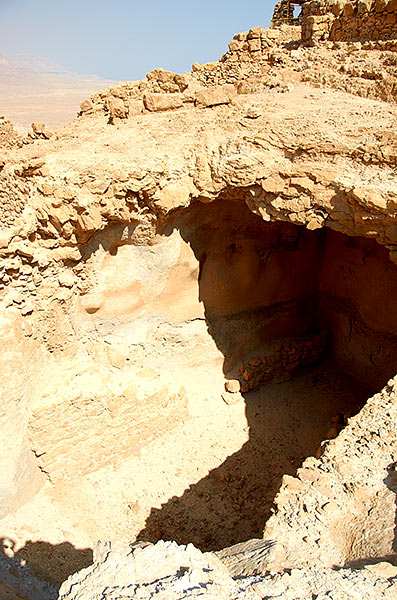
{"x": 124, "y": 39}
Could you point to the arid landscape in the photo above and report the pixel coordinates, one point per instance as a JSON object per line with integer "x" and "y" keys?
{"x": 197, "y": 304}
{"x": 35, "y": 90}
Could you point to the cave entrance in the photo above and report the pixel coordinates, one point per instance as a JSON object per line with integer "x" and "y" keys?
{"x": 306, "y": 320}
{"x": 262, "y": 282}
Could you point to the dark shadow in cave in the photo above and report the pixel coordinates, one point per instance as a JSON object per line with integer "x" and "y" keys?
{"x": 51, "y": 563}
{"x": 234, "y": 501}
{"x": 261, "y": 282}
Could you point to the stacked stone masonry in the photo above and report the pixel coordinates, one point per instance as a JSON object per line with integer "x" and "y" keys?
{"x": 165, "y": 90}
{"x": 100, "y": 431}
{"x": 340, "y": 20}
{"x": 256, "y": 60}
{"x": 39, "y": 131}
{"x": 283, "y": 358}
{"x": 284, "y": 12}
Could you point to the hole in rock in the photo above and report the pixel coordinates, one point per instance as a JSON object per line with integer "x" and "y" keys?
{"x": 296, "y": 316}
{"x": 305, "y": 320}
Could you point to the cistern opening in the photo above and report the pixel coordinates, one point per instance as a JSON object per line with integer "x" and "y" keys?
{"x": 296, "y": 316}
{"x": 303, "y": 322}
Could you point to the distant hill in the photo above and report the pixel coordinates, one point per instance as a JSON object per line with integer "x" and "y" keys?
{"x": 37, "y": 89}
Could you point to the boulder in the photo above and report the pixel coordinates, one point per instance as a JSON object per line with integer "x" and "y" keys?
{"x": 159, "y": 102}
{"x": 117, "y": 109}
{"x": 222, "y": 94}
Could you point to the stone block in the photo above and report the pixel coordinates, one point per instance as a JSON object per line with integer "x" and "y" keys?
{"x": 86, "y": 106}
{"x": 182, "y": 80}
{"x": 160, "y": 102}
{"x": 38, "y": 128}
{"x": 135, "y": 107}
{"x": 232, "y": 386}
{"x": 161, "y": 75}
{"x": 230, "y": 398}
{"x": 254, "y": 45}
{"x": 235, "y": 45}
{"x": 214, "y": 96}
{"x": 116, "y": 107}
{"x": 254, "y": 32}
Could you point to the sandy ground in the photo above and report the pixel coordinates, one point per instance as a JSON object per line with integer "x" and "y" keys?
{"x": 55, "y": 112}
{"x": 210, "y": 481}
{"x": 54, "y": 109}
{"x": 28, "y": 96}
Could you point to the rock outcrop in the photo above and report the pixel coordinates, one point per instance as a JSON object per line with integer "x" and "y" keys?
{"x": 174, "y": 572}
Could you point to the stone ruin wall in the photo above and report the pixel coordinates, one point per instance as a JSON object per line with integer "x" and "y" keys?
{"x": 209, "y": 84}
{"x": 282, "y": 359}
{"x": 259, "y": 60}
{"x": 341, "y": 20}
{"x": 108, "y": 429}
{"x": 284, "y": 13}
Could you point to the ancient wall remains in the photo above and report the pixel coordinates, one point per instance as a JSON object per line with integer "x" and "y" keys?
{"x": 105, "y": 430}
{"x": 284, "y": 13}
{"x": 279, "y": 361}
{"x": 342, "y": 20}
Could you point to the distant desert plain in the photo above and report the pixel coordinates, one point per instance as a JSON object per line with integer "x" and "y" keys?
{"x": 33, "y": 89}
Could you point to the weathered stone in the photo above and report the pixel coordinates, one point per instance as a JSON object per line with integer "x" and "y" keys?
{"x": 175, "y": 194}
{"x": 117, "y": 108}
{"x": 213, "y": 96}
{"x": 66, "y": 279}
{"x": 182, "y": 80}
{"x": 38, "y": 128}
{"x": 160, "y": 102}
{"x": 90, "y": 220}
{"x": 47, "y": 134}
{"x": 233, "y": 386}
{"x": 253, "y": 112}
{"x": 19, "y": 476}
{"x": 161, "y": 75}
{"x": 135, "y": 107}
{"x": 86, "y": 106}
{"x": 383, "y": 569}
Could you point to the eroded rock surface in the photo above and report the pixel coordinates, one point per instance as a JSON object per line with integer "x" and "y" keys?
{"x": 167, "y": 262}
{"x": 167, "y": 570}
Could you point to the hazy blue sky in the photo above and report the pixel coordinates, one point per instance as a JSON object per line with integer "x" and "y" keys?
{"x": 123, "y": 39}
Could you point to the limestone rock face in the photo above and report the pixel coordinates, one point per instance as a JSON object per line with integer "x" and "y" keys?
{"x": 20, "y": 478}
{"x": 167, "y": 570}
{"x": 341, "y": 467}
